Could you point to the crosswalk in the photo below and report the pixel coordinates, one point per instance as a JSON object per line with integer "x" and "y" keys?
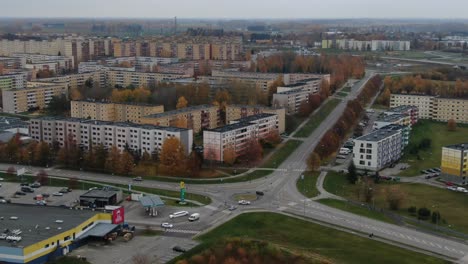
{"x": 183, "y": 231}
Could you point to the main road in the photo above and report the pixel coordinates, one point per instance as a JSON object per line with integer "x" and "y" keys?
{"x": 281, "y": 195}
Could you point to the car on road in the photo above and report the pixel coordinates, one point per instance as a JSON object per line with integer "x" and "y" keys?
{"x": 57, "y": 194}
{"x": 232, "y": 208}
{"x": 35, "y": 185}
{"x": 4, "y": 201}
{"x": 244, "y": 202}
{"x": 167, "y": 225}
{"x": 138, "y": 178}
{"x": 65, "y": 190}
{"x": 20, "y": 193}
{"x": 179, "y": 249}
{"x": 194, "y": 217}
{"x": 178, "y": 214}
{"x": 260, "y": 193}
{"x": 42, "y": 202}
{"x": 45, "y": 195}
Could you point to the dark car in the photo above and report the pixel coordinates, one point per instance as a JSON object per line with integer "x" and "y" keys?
{"x": 45, "y": 195}
{"x": 178, "y": 249}
{"x": 20, "y": 193}
{"x": 259, "y": 193}
{"x": 27, "y": 189}
{"x": 24, "y": 184}
{"x": 65, "y": 190}
{"x": 35, "y": 185}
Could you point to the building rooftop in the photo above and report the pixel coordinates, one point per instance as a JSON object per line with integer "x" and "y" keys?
{"x": 99, "y": 193}
{"x": 231, "y": 127}
{"x": 390, "y": 118}
{"x": 109, "y": 102}
{"x": 402, "y": 108}
{"x": 294, "y": 91}
{"x": 462, "y": 146}
{"x": 11, "y": 122}
{"x": 253, "y": 118}
{"x": 301, "y": 83}
{"x": 180, "y": 111}
{"x": 38, "y": 223}
{"x": 394, "y": 127}
{"x": 254, "y": 106}
{"x": 378, "y": 135}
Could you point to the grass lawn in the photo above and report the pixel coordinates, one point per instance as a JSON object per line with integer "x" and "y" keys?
{"x": 307, "y": 186}
{"x": 312, "y": 240}
{"x": 440, "y": 137}
{"x": 345, "y": 206}
{"x": 347, "y": 89}
{"x": 451, "y": 205}
{"x": 342, "y": 94}
{"x": 282, "y": 153}
{"x": 317, "y": 118}
{"x": 292, "y": 122}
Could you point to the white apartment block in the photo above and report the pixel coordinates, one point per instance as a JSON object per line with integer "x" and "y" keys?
{"x": 15, "y": 80}
{"x": 84, "y": 132}
{"x": 378, "y": 149}
{"x": 423, "y": 102}
{"x": 89, "y": 66}
{"x": 60, "y": 62}
{"x": 312, "y": 86}
{"x": 288, "y": 78}
{"x": 372, "y": 45}
{"x": 394, "y": 119}
{"x": 237, "y": 135}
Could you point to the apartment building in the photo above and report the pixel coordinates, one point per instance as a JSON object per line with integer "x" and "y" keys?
{"x": 372, "y": 45}
{"x": 291, "y": 100}
{"x": 312, "y": 86}
{"x": 393, "y": 119}
{"x": 378, "y": 149}
{"x": 114, "y": 112}
{"x": 35, "y": 95}
{"x": 424, "y": 103}
{"x": 16, "y": 80}
{"x": 454, "y": 162}
{"x": 405, "y": 133}
{"x": 10, "y": 63}
{"x": 60, "y": 64}
{"x": 237, "y": 135}
{"x": 86, "y": 133}
{"x": 288, "y": 78}
{"x": 235, "y": 112}
{"x": 116, "y": 78}
{"x": 409, "y": 110}
{"x": 196, "y": 118}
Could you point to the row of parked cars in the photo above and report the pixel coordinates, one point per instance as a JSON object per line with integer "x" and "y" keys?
{"x": 457, "y": 189}
{"x": 431, "y": 173}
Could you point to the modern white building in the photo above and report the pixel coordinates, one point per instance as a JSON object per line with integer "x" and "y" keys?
{"x": 85, "y": 132}
{"x": 378, "y": 149}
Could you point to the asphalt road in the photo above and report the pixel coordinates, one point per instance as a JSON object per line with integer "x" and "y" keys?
{"x": 282, "y": 195}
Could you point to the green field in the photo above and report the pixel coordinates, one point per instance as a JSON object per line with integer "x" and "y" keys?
{"x": 345, "y": 206}
{"x": 311, "y": 240}
{"x": 440, "y": 137}
{"x": 282, "y": 153}
{"x": 342, "y": 94}
{"x": 307, "y": 186}
{"x": 451, "y": 205}
{"x": 316, "y": 119}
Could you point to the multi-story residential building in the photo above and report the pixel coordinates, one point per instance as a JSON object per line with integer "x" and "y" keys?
{"x": 378, "y": 149}
{"x": 90, "y": 66}
{"x": 373, "y": 45}
{"x": 237, "y": 135}
{"x": 312, "y": 86}
{"x": 115, "y": 112}
{"x": 393, "y": 119}
{"x": 125, "y": 78}
{"x": 35, "y": 95}
{"x": 409, "y": 110}
{"x": 454, "y": 163}
{"x": 59, "y": 64}
{"x": 235, "y": 112}
{"x": 288, "y": 78}
{"x": 73, "y": 81}
{"x": 291, "y": 100}
{"x": 16, "y": 80}
{"x": 424, "y": 103}
{"x": 10, "y": 63}
{"x": 86, "y": 133}
{"x": 196, "y": 118}
{"x": 405, "y": 133}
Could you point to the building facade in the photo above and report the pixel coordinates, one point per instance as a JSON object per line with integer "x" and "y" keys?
{"x": 235, "y": 112}
{"x": 454, "y": 162}
{"x": 15, "y": 80}
{"x": 409, "y": 110}
{"x": 424, "y": 103}
{"x": 35, "y": 95}
{"x": 86, "y": 133}
{"x": 237, "y": 135}
{"x": 291, "y": 100}
{"x": 393, "y": 119}
{"x": 114, "y": 112}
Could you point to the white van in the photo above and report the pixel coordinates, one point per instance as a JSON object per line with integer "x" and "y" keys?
{"x": 194, "y": 217}
{"x": 344, "y": 151}
{"x": 178, "y": 214}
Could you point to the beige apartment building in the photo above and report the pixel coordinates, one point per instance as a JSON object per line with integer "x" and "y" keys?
{"x": 115, "y": 112}
{"x": 434, "y": 107}
{"x": 291, "y": 100}
{"x": 35, "y": 95}
{"x": 196, "y": 118}
{"x": 126, "y": 78}
{"x": 235, "y": 112}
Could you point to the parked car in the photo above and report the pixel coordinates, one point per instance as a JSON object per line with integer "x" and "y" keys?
{"x": 194, "y": 217}
{"x": 431, "y": 170}
{"x": 45, "y": 195}
{"x": 436, "y": 169}
{"x": 27, "y": 189}
{"x": 42, "y": 202}
{"x": 4, "y": 201}
{"x": 232, "y": 208}
{"x": 178, "y": 214}
{"x": 179, "y": 249}
{"x": 461, "y": 189}
{"x": 138, "y": 178}
{"x": 57, "y": 194}
{"x": 452, "y": 188}
{"x": 244, "y": 202}
{"x": 259, "y": 193}
{"x": 167, "y": 225}
{"x": 341, "y": 157}
{"x": 65, "y": 190}
{"x": 35, "y": 185}
{"x": 1, "y": 179}
{"x": 20, "y": 193}
{"x": 24, "y": 184}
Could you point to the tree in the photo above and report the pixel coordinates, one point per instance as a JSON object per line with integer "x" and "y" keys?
{"x": 314, "y": 161}
{"x": 58, "y": 105}
{"x": 435, "y": 218}
{"x": 194, "y": 163}
{"x": 42, "y": 154}
{"x": 112, "y": 163}
{"x": 352, "y": 173}
{"x": 394, "y": 197}
{"x": 229, "y": 155}
{"x": 126, "y": 163}
{"x": 424, "y": 213}
{"x": 253, "y": 153}
{"x": 73, "y": 183}
{"x": 181, "y": 102}
{"x": 451, "y": 125}
{"x": 42, "y": 177}
{"x": 172, "y": 156}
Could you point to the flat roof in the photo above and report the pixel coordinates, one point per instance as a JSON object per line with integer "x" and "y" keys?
{"x": 230, "y": 127}
{"x": 254, "y": 117}
{"x": 301, "y": 82}
{"x": 462, "y": 146}
{"x": 99, "y": 193}
{"x": 401, "y": 108}
{"x": 394, "y": 127}
{"x": 33, "y": 221}
{"x": 7, "y": 122}
{"x": 378, "y": 135}
{"x": 390, "y": 118}
{"x": 109, "y": 102}
{"x": 294, "y": 91}
{"x": 255, "y": 106}
{"x": 181, "y": 110}
{"x": 151, "y": 201}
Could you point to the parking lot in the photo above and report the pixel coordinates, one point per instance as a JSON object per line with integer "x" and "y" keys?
{"x": 8, "y": 190}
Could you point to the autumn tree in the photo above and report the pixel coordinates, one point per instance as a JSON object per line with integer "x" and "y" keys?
{"x": 314, "y": 161}
{"x": 451, "y": 125}
{"x": 394, "y": 197}
{"x": 42, "y": 154}
{"x": 384, "y": 98}
{"x": 253, "y": 153}
{"x": 172, "y": 156}
{"x": 229, "y": 155}
{"x": 181, "y": 102}
{"x": 113, "y": 163}
{"x": 194, "y": 164}
{"x": 126, "y": 163}
{"x": 42, "y": 177}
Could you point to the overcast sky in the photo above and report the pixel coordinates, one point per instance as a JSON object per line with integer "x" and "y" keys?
{"x": 236, "y": 8}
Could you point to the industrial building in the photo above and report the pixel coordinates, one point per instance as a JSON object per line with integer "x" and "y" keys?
{"x": 36, "y": 234}
{"x": 454, "y": 163}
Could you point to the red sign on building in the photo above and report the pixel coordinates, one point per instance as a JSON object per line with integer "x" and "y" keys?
{"x": 118, "y": 216}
